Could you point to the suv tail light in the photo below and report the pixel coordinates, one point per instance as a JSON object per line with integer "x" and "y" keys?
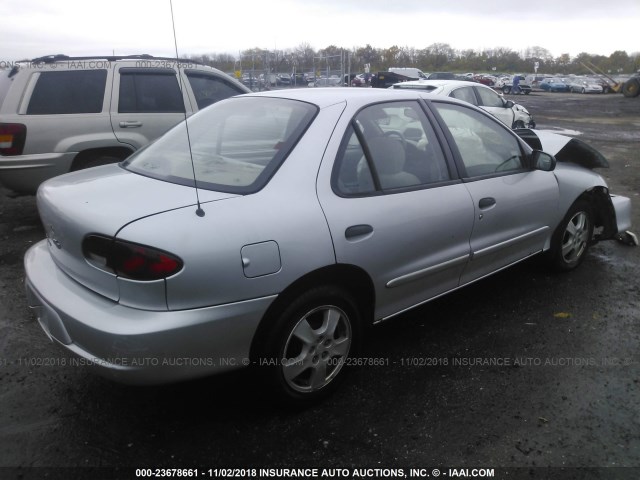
{"x": 129, "y": 260}
{"x": 12, "y": 138}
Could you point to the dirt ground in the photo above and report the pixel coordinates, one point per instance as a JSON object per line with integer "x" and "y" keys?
{"x": 533, "y": 374}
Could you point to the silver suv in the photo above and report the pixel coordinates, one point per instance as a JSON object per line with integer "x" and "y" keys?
{"x": 59, "y": 114}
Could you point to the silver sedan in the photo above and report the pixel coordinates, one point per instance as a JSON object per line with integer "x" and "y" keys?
{"x": 278, "y": 226}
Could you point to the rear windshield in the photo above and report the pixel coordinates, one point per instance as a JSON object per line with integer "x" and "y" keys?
{"x": 236, "y": 144}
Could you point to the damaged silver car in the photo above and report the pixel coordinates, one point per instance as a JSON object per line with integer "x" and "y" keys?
{"x": 280, "y": 225}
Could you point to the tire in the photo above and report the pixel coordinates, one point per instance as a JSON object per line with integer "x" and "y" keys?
{"x": 519, "y": 124}
{"x": 506, "y": 90}
{"x": 631, "y": 88}
{"x": 303, "y": 357}
{"x": 570, "y": 242}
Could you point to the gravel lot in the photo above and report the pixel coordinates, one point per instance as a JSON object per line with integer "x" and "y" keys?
{"x": 520, "y": 372}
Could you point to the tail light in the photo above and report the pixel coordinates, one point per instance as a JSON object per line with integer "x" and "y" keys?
{"x": 129, "y": 260}
{"x": 12, "y": 138}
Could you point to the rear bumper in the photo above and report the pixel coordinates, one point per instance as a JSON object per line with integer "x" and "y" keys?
{"x": 24, "y": 173}
{"x": 137, "y": 346}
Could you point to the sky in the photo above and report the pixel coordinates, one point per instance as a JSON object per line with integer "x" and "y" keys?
{"x": 32, "y": 28}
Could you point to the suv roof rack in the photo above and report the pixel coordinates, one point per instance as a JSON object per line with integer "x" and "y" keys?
{"x": 111, "y": 58}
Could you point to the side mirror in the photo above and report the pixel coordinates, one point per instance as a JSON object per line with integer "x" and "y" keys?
{"x": 508, "y": 104}
{"x": 543, "y": 161}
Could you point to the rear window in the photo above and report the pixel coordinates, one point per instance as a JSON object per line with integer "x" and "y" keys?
{"x": 68, "y": 92}
{"x": 145, "y": 91}
{"x": 209, "y": 89}
{"x": 236, "y": 145}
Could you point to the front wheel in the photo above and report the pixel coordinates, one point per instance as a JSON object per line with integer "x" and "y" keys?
{"x": 309, "y": 345}
{"x": 572, "y": 238}
{"x": 631, "y": 88}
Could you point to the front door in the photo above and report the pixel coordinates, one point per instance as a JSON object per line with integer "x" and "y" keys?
{"x": 514, "y": 206}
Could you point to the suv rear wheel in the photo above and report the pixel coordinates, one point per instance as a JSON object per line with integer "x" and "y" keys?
{"x": 88, "y": 161}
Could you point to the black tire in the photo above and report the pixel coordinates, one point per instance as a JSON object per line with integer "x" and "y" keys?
{"x": 329, "y": 319}
{"x": 506, "y": 90}
{"x": 570, "y": 242}
{"x": 631, "y": 88}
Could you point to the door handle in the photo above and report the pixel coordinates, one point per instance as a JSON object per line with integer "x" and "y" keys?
{"x": 130, "y": 124}
{"x": 357, "y": 231}
{"x": 486, "y": 202}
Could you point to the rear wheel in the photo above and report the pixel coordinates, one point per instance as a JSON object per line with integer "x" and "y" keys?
{"x": 304, "y": 356}
{"x": 94, "y": 161}
{"x": 572, "y": 238}
{"x": 631, "y": 88}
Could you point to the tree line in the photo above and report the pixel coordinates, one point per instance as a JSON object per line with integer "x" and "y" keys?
{"x": 435, "y": 57}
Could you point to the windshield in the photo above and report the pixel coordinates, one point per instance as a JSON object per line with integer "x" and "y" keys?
{"x": 236, "y": 144}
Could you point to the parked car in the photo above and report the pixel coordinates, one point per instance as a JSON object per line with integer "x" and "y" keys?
{"x": 359, "y": 80}
{"x": 534, "y": 80}
{"x": 60, "y": 114}
{"x": 441, "y": 76}
{"x": 554, "y": 85}
{"x": 584, "y": 85}
{"x": 400, "y": 196}
{"x": 510, "y": 113}
{"x": 488, "y": 80}
{"x": 505, "y": 84}
{"x": 251, "y": 81}
{"x": 409, "y": 72}
{"x": 386, "y": 79}
{"x": 284, "y": 79}
{"x": 298, "y": 79}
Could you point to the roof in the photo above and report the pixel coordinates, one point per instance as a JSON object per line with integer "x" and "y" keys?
{"x": 324, "y": 97}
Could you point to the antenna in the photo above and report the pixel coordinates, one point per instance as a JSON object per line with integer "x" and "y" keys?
{"x": 199, "y": 210}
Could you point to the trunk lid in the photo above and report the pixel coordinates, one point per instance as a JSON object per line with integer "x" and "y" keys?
{"x": 103, "y": 200}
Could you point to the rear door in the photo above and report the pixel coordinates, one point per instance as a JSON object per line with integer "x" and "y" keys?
{"x": 145, "y": 103}
{"x": 393, "y": 206}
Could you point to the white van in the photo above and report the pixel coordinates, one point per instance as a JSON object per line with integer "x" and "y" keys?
{"x": 413, "y": 73}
